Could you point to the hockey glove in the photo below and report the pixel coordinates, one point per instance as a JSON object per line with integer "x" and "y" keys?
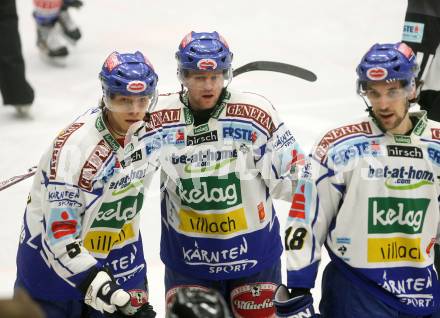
{"x": 298, "y": 303}
{"x": 197, "y": 303}
{"x": 102, "y": 293}
{"x": 138, "y": 306}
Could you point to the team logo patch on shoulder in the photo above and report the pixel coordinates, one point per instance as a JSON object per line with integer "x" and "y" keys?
{"x": 251, "y": 112}
{"x": 136, "y": 86}
{"x": 338, "y": 133}
{"x": 206, "y": 64}
{"x": 377, "y": 73}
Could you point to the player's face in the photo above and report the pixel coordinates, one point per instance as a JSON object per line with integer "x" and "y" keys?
{"x": 127, "y": 110}
{"x": 204, "y": 88}
{"x": 390, "y": 106}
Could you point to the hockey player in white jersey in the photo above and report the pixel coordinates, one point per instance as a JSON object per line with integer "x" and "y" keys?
{"x": 227, "y": 156}
{"x": 373, "y": 200}
{"x": 80, "y": 243}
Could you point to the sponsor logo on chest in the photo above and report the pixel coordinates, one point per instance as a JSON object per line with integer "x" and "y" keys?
{"x": 174, "y": 136}
{"x": 212, "y": 223}
{"x": 153, "y": 145}
{"x": 211, "y": 193}
{"x": 396, "y": 215}
{"x": 102, "y": 242}
{"x": 403, "y": 178}
{"x": 239, "y": 132}
{"x": 93, "y": 164}
{"x": 405, "y": 151}
{"x": 434, "y": 155}
{"x": 210, "y": 136}
{"x": 394, "y": 249}
{"x": 116, "y": 214}
{"x": 343, "y": 154}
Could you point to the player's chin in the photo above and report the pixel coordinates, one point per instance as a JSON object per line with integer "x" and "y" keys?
{"x": 208, "y": 102}
{"x": 129, "y": 123}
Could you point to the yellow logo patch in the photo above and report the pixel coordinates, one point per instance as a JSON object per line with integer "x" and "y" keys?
{"x": 213, "y": 224}
{"x": 103, "y": 241}
{"x": 394, "y": 249}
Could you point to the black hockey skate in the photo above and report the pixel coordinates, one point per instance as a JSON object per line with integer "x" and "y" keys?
{"x": 69, "y": 27}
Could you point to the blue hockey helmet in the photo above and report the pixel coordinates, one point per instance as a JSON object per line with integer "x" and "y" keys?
{"x": 387, "y": 62}
{"x": 204, "y": 51}
{"x": 128, "y": 74}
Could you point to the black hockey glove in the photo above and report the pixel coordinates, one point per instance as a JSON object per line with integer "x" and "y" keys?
{"x": 197, "y": 303}
{"x": 297, "y": 303}
{"x": 102, "y": 293}
{"x": 146, "y": 311}
{"x": 138, "y": 306}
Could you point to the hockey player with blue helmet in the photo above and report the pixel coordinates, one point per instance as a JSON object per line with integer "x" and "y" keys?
{"x": 229, "y": 155}
{"x": 80, "y": 251}
{"x": 372, "y": 199}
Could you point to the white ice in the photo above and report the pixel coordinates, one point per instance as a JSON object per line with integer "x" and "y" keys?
{"x": 327, "y": 37}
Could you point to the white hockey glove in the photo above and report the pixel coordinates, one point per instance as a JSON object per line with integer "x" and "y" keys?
{"x": 102, "y": 293}
{"x": 298, "y": 303}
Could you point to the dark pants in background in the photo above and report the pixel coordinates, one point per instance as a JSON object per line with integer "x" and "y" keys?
{"x": 14, "y": 88}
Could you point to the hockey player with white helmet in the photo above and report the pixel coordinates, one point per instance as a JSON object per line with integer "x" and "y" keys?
{"x": 80, "y": 243}
{"x": 372, "y": 199}
{"x": 227, "y": 155}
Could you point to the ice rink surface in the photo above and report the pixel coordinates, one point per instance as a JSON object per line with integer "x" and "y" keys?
{"x": 327, "y": 37}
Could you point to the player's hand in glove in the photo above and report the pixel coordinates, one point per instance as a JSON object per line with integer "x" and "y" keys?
{"x": 102, "y": 293}
{"x": 297, "y": 303}
{"x": 138, "y": 306}
{"x": 196, "y": 303}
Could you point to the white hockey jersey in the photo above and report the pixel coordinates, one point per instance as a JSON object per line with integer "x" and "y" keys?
{"x": 83, "y": 210}
{"x": 219, "y": 179}
{"x": 373, "y": 200}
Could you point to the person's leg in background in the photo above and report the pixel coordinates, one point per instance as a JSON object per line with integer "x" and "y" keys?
{"x": 14, "y": 87}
